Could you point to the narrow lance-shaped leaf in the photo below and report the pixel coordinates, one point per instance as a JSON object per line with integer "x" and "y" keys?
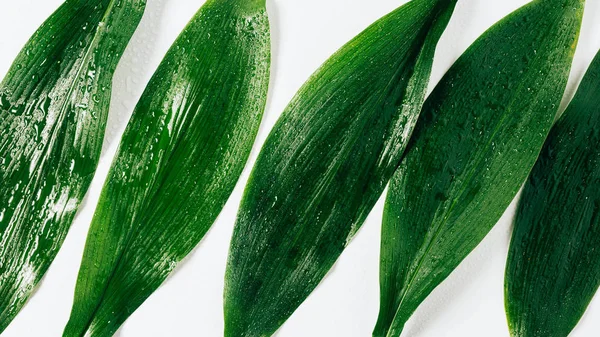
{"x": 53, "y": 109}
{"x": 553, "y": 265}
{"x": 179, "y": 160}
{"x": 326, "y": 163}
{"x": 479, "y": 135}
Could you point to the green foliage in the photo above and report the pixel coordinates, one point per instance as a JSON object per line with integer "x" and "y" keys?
{"x": 179, "y": 160}
{"x": 53, "y": 109}
{"x": 326, "y": 163}
{"x": 553, "y": 268}
{"x": 479, "y": 135}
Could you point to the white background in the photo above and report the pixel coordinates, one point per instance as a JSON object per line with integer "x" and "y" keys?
{"x": 304, "y": 33}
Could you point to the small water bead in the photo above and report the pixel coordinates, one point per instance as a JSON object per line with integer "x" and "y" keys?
{"x": 17, "y": 109}
{"x": 4, "y": 102}
{"x": 83, "y": 106}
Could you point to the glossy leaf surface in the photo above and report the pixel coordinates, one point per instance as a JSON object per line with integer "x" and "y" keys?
{"x": 54, "y": 104}
{"x": 479, "y": 135}
{"x": 325, "y": 164}
{"x": 179, "y": 160}
{"x": 553, "y": 268}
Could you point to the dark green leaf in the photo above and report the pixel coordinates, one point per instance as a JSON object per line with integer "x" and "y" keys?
{"x": 479, "y": 135}
{"x": 179, "y": 160}
{"x": 326, "y": 163}
{"x": 53, "y": 109}
{"x": 553, "y": 265}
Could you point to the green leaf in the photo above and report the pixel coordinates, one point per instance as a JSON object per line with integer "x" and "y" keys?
{"x": 179, "y": 160}
{"x": 326, "y": 163}
{"x": 479, "y": 135}
{"x": 553, "y": 265}
{"x": 53, "y": 108}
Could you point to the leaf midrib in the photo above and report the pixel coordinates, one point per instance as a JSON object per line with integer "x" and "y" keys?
{"x": 429, "y": 243}
{"x": 137, "y": 218}
{"x": 100, "y": 28}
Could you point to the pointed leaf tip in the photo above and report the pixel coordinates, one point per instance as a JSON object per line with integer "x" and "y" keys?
{"x": 178, "y": 161}
{"x": 325, "y": 164}
{"x": 478, "y": 137}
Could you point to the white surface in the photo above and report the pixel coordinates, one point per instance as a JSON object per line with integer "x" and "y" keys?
{"x": 305, "y": 33}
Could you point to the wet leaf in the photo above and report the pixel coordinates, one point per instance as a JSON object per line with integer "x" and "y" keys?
{"x": 326, "y": 163}
{"x": 179, "y": 160}
{"x": 553, "y": 266}
{"x": 53, "y": 109}
{"x": 479, "y": 135}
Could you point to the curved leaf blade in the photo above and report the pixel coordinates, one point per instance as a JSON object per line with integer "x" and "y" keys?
{"x": 179, "y": 160}
{"x": 553, "y": 268}
{"x": 54, "y": 104}
{"x": 326, "y": 163}
{"x": 479, "y": 135}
